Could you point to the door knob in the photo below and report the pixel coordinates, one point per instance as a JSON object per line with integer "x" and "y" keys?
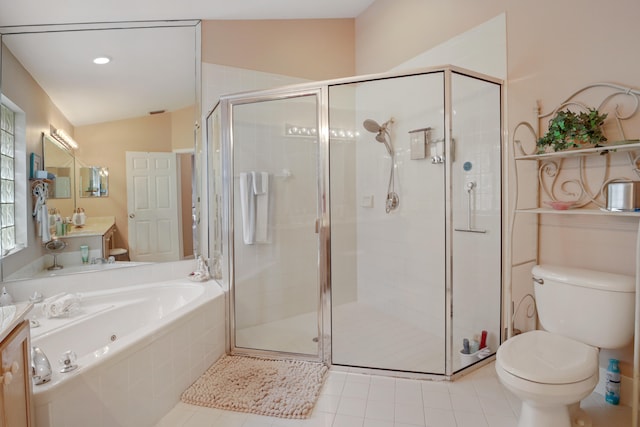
{"x": 9, "y": 373}
{"x": 132, "y": 215}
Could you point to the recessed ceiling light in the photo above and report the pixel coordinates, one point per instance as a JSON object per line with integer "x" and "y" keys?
{"x": 101, "y": 60}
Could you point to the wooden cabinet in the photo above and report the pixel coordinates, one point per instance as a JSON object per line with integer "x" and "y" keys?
{"x": 106, "y": 241}
{"x": 96, "y": 233}
{"x": 16, "y": 409}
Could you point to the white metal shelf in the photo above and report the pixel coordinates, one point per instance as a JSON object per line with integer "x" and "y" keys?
{"x": 552, "y": 164}
{"x": 578, "y": 211}
{"x": 617, "y": 147}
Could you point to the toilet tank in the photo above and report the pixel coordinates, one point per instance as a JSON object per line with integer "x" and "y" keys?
{"x": 593, "y": 307}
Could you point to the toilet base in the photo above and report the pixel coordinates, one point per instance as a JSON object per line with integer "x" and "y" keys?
{"x": 559, "y": 416}
{"x": 535, "y": 416}
{"x": 579, "y": 418}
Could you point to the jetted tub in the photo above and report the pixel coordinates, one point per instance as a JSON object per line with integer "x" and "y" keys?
{"x": 138, "y": 348}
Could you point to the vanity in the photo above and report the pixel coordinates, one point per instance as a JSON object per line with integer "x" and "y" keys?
{"x": 96, "y": 233}
{"x": 16, "y": 409}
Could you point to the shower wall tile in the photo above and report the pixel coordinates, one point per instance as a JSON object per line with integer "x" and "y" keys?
{"x": 477, "y": 256}
{"x": 394, "y": 264}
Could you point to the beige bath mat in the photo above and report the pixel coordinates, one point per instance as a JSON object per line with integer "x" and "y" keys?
{"x": 277, "y": 388}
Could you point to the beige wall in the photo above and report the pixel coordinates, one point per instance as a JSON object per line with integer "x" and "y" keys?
{"x": 182, "y": 126}
{"x": 390, "y": 32}
{"x": 553, "y": 49}
{"x": 22, "y": 89}
{"x": 314, "y": 49}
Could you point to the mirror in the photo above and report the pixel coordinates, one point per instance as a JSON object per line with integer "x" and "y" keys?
{"x": 60, "y": 163}
{"x": 145, "y": 100}
{"x": 93, "y": 181}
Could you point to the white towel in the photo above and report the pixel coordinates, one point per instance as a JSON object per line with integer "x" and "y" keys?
{"x": 261, "y": 193}
{"x": 248, "y": 208}
{"x": 254, "y": 204}
{"x": 60, "y": 305}
{"x": 44, "y": 231}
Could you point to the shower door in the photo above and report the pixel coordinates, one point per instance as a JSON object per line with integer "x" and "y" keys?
{"x": 276, "y": 223}
{"x": 388, "y": 265}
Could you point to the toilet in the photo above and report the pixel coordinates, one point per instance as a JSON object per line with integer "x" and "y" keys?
{"x": 552, "y": 370}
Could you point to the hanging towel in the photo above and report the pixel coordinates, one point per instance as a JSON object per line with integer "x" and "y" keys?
{"x": 254, "y": 204}
{"x": 248, "y": 208}
{"x": 44, "y": 230}
{"x": 261, "y": 193}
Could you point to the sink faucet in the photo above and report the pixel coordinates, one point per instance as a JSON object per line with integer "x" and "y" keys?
{"x": 98, "y": 260}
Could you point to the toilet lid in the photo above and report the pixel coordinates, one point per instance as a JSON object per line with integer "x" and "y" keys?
{"x": 547, "y": 358}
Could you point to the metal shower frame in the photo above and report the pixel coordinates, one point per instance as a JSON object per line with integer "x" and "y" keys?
{"x": 321, "y": 90}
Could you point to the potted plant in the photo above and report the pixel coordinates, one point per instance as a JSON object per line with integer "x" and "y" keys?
{"x": 568, "y": 130}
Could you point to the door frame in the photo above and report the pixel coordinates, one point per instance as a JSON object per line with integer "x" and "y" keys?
{"x": 323, "y": 208}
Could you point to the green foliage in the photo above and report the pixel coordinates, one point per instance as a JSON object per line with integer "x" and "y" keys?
{"x": 568, "y": 129}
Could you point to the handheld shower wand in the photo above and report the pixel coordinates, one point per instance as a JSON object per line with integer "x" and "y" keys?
{"x": 383, "y": 136}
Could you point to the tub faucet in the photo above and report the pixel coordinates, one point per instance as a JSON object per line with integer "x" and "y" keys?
{"x": 40, "y": 366}
{"x": 68, "y": 361}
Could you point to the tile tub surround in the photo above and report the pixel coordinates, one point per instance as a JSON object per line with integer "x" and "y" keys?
{"x": 21, "y": 290}
{"x": 132, "y": 372}
{"x": 141, "y": 382}
{"x": 356, "y": 400}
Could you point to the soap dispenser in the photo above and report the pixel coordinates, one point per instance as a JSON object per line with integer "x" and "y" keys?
{"x": 5, "y": 298}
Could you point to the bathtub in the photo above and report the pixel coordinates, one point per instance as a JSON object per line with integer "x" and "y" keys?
{"x": 138, "y": 348}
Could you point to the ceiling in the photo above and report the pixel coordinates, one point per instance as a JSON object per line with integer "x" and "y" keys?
{"x": 147, "y": 63}
{"x": 30, "y": 12}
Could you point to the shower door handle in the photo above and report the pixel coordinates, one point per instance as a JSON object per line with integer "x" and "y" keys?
{"x": 317, "y": 226}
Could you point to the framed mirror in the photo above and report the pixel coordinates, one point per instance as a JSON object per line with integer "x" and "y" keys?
{"x": 146, "y": 99}
{"x": 93, "y": 181}
{"x": 60, "y": 164}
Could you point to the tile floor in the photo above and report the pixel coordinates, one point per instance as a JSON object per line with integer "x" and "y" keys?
{"x": 357, "y": 400}
{"x": 362, "y": 336}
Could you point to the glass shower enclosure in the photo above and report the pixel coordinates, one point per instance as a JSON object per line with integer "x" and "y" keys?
{"x": 358, "y": 221}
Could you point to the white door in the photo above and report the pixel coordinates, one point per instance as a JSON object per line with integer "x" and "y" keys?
{"x": 153, "y": 207}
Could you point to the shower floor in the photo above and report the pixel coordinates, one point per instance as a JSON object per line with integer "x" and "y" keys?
{"x": 363, "y": 336}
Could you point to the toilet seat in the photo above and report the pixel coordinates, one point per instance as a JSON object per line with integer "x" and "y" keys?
{"x": 546, "y": 358}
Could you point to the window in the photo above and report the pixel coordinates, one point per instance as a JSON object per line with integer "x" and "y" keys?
{"x": 7, "y": 180}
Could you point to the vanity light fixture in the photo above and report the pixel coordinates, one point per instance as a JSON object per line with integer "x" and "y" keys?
{"x": 63, "y": 138}
{"x": 102, "y": 60}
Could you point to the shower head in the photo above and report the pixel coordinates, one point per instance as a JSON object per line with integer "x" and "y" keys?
{"x": 372, "y": 126}
{"x": 380, "y": 131}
